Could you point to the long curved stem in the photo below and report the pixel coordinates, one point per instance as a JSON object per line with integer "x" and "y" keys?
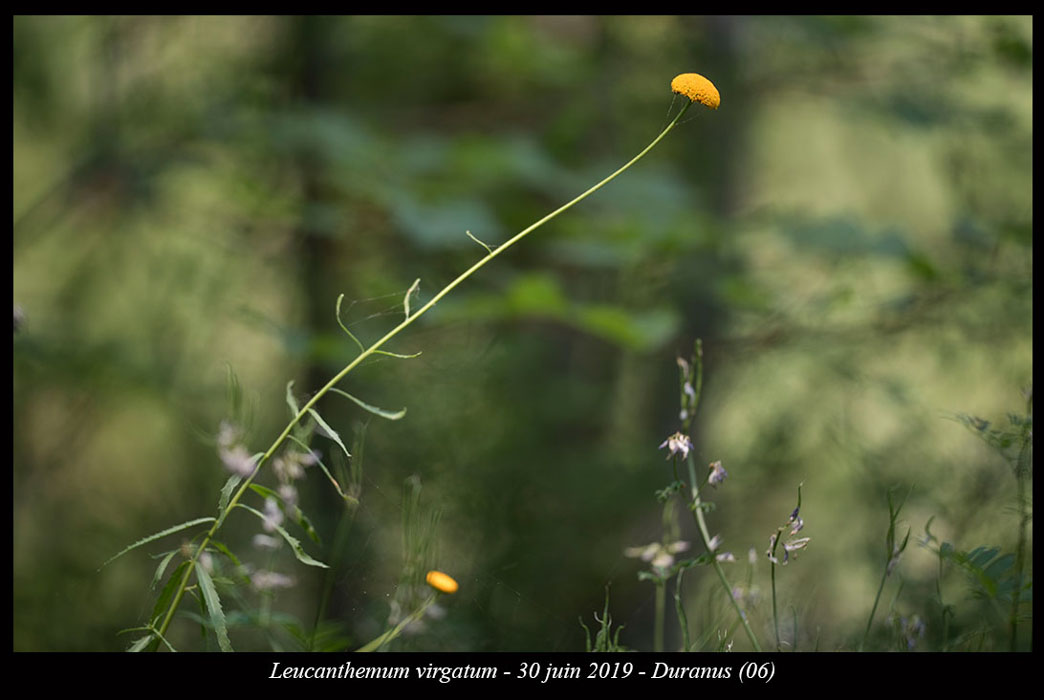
{"x": 410, "y": 318}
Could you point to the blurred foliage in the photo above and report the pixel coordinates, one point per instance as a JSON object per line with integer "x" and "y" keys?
{"x": 850, "y": 234}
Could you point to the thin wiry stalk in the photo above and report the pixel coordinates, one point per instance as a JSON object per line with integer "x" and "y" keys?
{"x": 697, "y": 512}
{"x": 363, "y": 355}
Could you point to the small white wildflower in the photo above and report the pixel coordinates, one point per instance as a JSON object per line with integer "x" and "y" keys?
{"x": 267, "y": 541}
{"x": 661, "y": 556}
{"x": 273, "y": 515}
{"x": 207, "y": 562}
{"x": 717, "y": 474}
{"x": 237, "y": 460}
{"x": 726, "y": 556}
{"x": 269, "y": 580}
{"x": 714, "y": 543}
{"x": 289, "y": 494}
{"x": 677, "y": 443}
{"x": 752, "y": 556}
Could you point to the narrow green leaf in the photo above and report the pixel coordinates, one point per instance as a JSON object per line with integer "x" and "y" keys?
{"x": 328, "y": 431}
{"x": 326, "y": 471}
{"x": 382, "y": 412}
{"x": 344, "y": 327}
{"x": 217, "y": 616}
{"x": 140, "y": 644}
{"x": 161, "y": 568}
{"x": 295, "y": 545}
{"x": 290, "y": 400}
{"x": 226, "y": 491}
{"x": 488, "y": 249}
{"x": 395, "y": 354}
{"x": 221, "y": 547}
{"x": 167, "y": 593}
{"x": 265, "y": 492}
{"x": 156, "y": 536}
{"x": 409, "y": 292}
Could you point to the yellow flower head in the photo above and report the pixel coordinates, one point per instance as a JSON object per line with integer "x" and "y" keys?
{"x": 441, "y": 582}
{"x": 696, "y": 88}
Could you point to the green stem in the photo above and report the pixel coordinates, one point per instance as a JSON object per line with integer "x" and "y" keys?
{"x": 683, "y": 620}
{"x": 775, "y": 614}
{"x": 877, "y": 599}
{"x": 661, "y": 587}
{"x": 377, "y": 345}
{"x": 393, "y": 633}
{"x": 697, "y": 512}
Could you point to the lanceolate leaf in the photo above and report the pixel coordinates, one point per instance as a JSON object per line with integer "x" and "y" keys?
{"x": 382, "y": 412}
{"x": 395, "y": 354}
{"x": 217, "y": 615}
{"x": 168, "y": 592}
{"x": 290, "y": 400}
{"x": 140, "y": 644}
{"x": 226, "y": 491}
{"x": 328, "y": 431}
{"x": 156, "y": 536}
{"x": 295, "y": 545}
{"x": 158, "y": 576}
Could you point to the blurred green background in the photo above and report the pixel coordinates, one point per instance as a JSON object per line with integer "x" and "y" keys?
{"x": 850, "y": 234}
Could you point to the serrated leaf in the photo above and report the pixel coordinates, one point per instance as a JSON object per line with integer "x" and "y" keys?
{"x": 306, "y": 525}
{"x": 140, "y": 644}
{"x": 382, "y": 412}
{"x": 216, "y": 614}
{"x": 156, "y": 536}
{"x": 328, "y": 431}
{"x": 290, "y": 400}
{"x": 295, "y": 545}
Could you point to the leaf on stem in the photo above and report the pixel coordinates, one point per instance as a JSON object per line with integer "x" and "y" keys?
{"x": 156, "y": 536}
{"x": 395, "y": 354}
{"x": 382, "y": 412}
{"x": 327, "y": 431}
{"x": 290, "y": 400}
{"x": 344, "y": 327}
{"x": 409, "y": 292}
{"x": 295, "y": 545}
{"x": 216, "y": 614}
{"x": 348, "y": 499}
{"x": 488, "y": 249}
{"x": 161, "y": 568}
